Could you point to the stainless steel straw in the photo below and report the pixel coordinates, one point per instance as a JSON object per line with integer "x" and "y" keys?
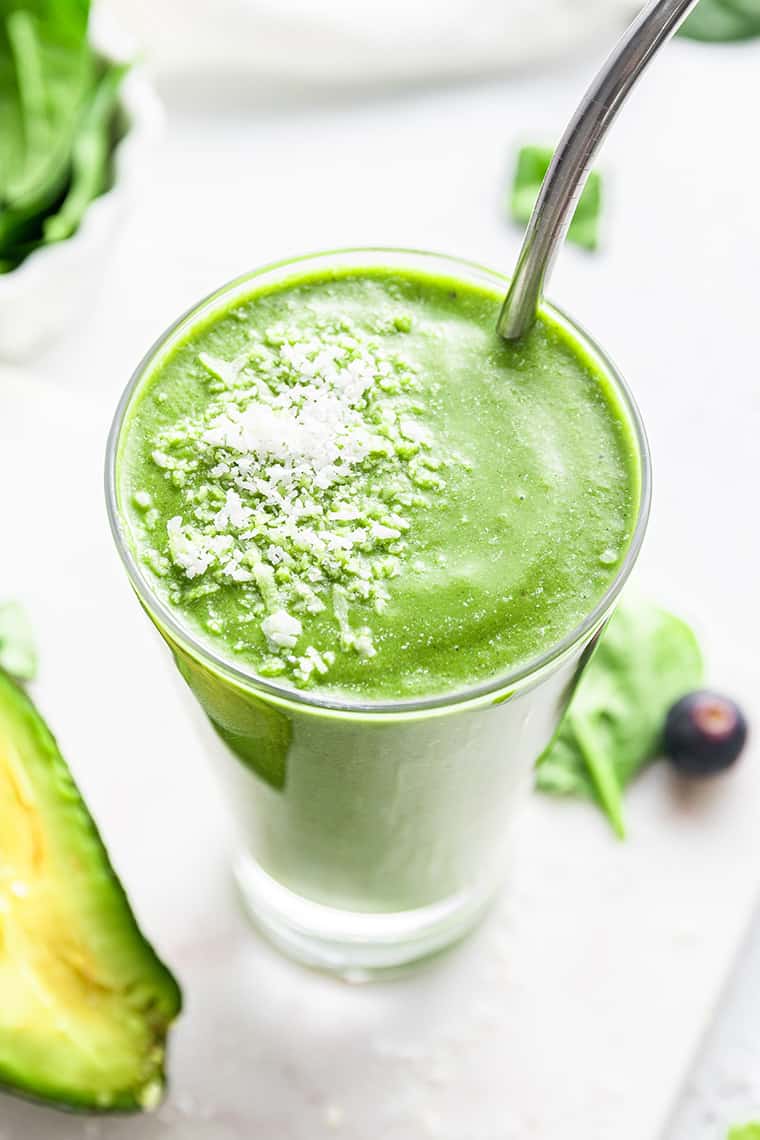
{"x": 572, "y": 160}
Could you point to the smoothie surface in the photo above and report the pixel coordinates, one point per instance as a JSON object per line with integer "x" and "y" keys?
{"x": 350, "y": 484}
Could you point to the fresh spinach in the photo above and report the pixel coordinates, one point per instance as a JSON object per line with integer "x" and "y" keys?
{"x": 18, "y": 651}
{"x": 54, "y": 71}
{"x": 532, "y": 165}
{"x": 721, "y": 21}
{"x": 645, "y": 660}
{"x": 89, "y": 157}
{"x": 57, "y": 108}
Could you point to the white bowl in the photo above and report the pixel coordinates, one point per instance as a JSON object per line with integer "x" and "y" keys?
{"x": 51, "y": 289}
{"x": 345, "y": 42}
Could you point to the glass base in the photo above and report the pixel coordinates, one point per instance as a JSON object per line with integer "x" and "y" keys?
{"x": 357, "y": 947}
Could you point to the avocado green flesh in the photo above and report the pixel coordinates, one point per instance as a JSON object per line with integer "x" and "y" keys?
{"x": 85, "y": 1004}
{"x": 519, "y": 527}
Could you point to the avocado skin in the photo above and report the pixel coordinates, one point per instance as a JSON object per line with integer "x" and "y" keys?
{"x": 151, "y": 985}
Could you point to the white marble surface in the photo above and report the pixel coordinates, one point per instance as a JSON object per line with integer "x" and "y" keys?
{"x": 574, "y": 1013}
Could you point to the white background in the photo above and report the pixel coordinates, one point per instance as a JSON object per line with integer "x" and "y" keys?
{"x": 574, "y": 1013}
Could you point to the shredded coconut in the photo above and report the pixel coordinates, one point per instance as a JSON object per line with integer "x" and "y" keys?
{"x": 297, "y": 481}
{"x": 281, "y": 629}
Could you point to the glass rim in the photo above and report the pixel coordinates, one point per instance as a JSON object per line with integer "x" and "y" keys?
{"x": 494, "y": 687}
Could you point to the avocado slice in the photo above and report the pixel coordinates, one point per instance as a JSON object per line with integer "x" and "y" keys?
{"x": 85, "y": 1003}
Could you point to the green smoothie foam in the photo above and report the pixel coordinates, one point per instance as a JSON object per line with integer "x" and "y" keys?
{"x": 348, "y": 483}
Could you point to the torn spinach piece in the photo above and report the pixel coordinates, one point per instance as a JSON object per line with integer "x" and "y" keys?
{"x": 532, "y": 164}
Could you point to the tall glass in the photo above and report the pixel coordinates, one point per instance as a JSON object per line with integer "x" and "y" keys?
{"x": 372, "y": 834}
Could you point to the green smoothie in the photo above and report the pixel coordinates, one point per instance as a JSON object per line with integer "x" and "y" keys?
{"x": 347, "y": 483}
{"x": 359, "y": 518}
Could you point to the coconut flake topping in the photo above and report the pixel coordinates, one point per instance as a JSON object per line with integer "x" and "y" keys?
{"x": 297, "y": 483}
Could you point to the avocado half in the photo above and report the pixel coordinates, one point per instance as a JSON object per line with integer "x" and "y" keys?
{"x": 85, "y": 1003}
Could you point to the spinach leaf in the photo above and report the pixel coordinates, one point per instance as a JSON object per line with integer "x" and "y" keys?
{"x": 719, "y": 21}
{"x": 66, "y": 19}
{"x": 57, "y": 123}
{"x": 748, "y": 8}
{"x": 46, "y": 87}
{"x": 18, "y": 652}
{"x": 89, "y": 157}
{"x": 744, "y": 1132}
{"x": 645, "y": 660}
{"x": 532, "y": 164}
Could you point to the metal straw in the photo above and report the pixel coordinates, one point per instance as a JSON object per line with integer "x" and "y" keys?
{"x": 572, "y": 160}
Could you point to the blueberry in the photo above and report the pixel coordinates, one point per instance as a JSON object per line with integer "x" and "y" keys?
{"x": 704, "y": 733}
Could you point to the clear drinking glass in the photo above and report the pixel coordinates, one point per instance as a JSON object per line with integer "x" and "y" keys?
{"x": 372, "y": 834}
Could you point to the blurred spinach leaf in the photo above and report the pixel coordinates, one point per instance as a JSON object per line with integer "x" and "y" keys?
{"x": 47, "y": 76}
{"x": 721, "y": 21}
{"x": 57, "y": 108}
{"x": 90, "y": 157}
